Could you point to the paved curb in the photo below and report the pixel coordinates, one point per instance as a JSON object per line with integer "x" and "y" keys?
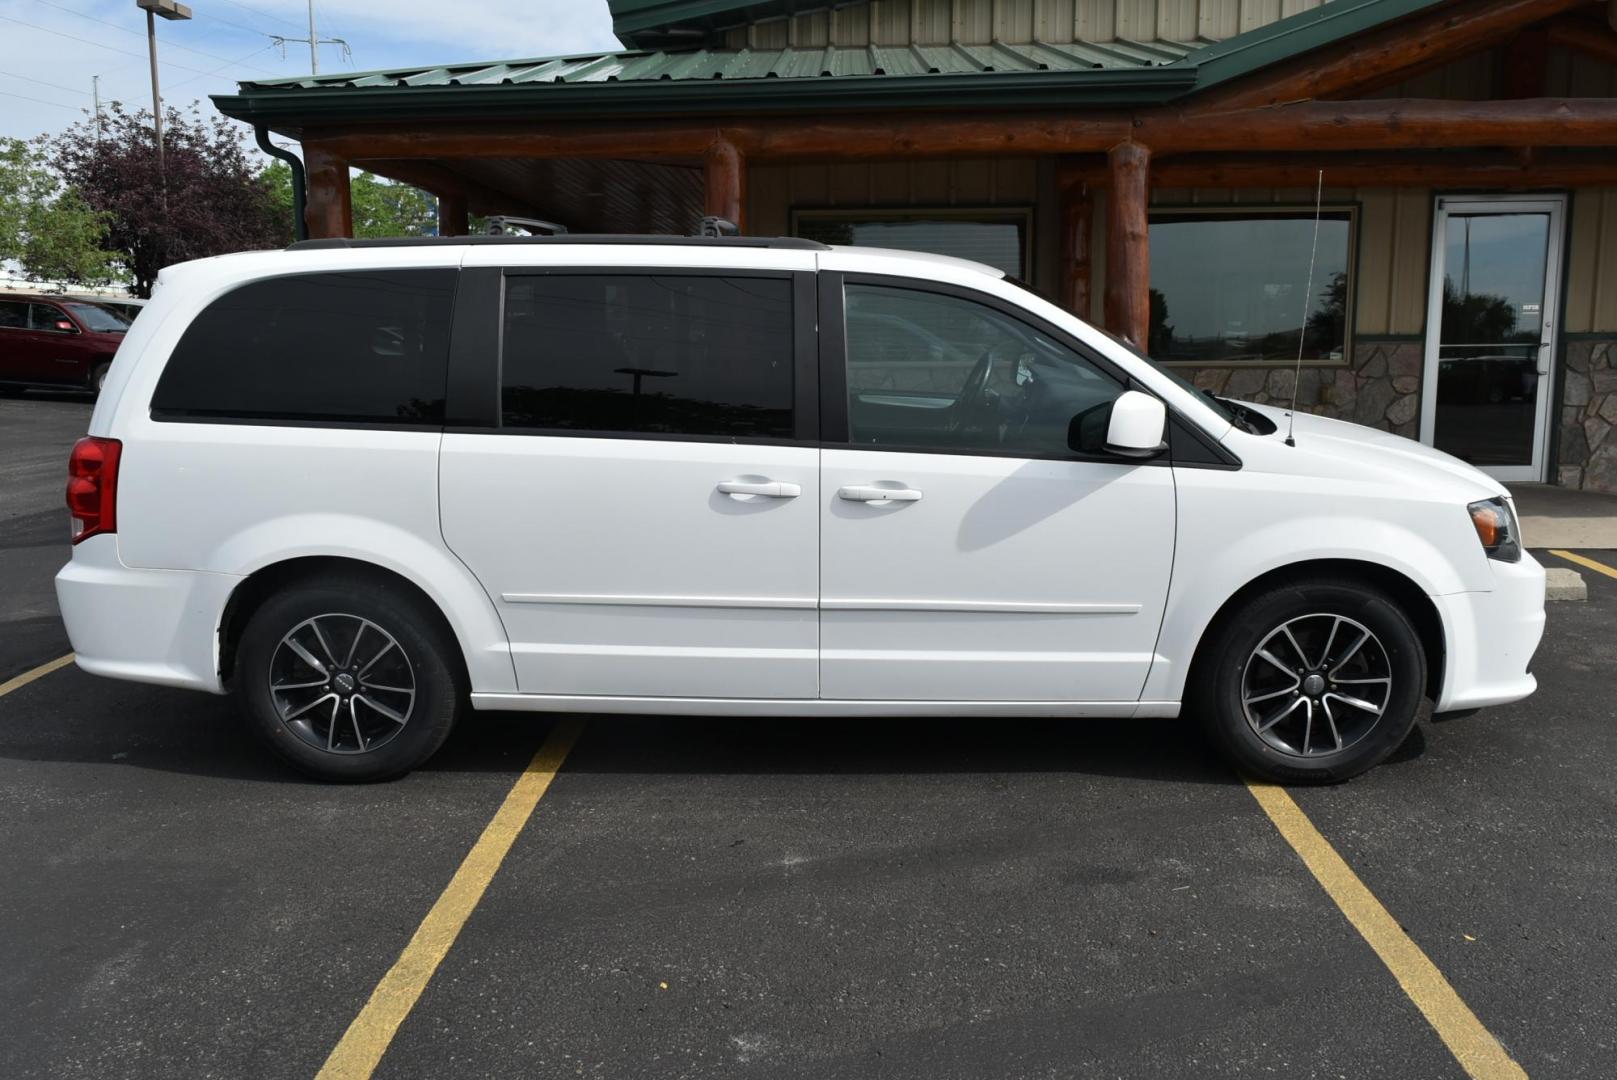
{"x": 1563, "y": 584}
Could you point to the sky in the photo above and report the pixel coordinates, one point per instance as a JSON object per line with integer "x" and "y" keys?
{"x": 50, "y": 49}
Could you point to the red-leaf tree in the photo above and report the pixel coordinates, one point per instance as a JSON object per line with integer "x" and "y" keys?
{"x": 206, "y": 200}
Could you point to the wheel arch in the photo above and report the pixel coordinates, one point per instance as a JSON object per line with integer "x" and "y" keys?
{"x": 1409, "y": 596}
{"x": 267, "y": 580}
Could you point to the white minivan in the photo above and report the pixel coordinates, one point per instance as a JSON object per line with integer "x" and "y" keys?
{"x": 358, "y": 484}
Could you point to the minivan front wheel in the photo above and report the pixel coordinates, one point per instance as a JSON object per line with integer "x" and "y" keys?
{"x": 346, "y": 682}
{"x": 1315, "y": 681}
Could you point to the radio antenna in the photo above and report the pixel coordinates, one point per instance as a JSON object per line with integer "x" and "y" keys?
{"x": 1308, "y": 302}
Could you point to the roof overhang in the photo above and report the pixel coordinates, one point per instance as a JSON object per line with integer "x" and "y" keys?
{"x": 299, "y": 106}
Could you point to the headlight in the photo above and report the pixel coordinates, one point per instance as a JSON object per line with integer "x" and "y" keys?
{"x": 1495, "y": 522}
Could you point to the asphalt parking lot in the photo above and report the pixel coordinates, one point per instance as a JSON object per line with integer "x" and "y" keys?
{"x": 728, "y": 898}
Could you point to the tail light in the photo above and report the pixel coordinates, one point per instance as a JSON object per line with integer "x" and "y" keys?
{"x": 92, "y": 486}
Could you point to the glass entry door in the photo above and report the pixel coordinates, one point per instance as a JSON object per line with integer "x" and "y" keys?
{"x": 1490, "y": 334}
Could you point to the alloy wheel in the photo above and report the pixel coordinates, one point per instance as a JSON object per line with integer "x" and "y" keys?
{"x": 342, "y": 684}
{"x": 1316, "y": 684}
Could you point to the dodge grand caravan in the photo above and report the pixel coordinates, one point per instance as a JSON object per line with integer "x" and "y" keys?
{"x": 358, "y": 485}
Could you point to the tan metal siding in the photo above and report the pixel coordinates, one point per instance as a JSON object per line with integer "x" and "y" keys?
{"x": 977, "y": 22}
{"x": 1591, "y": 283}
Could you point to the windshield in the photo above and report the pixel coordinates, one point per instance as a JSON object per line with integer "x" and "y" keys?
{"x": 100, "y": 319}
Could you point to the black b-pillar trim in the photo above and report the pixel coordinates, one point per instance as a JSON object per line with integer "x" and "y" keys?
{"x": 472, "y": 397}
{"x": 833, "y": 360}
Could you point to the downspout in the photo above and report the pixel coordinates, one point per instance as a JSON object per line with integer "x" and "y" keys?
{"x": 300, "y": 228}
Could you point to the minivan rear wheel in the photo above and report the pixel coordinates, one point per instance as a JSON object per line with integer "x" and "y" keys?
{"x": 1315, "y": 681}
{"x": 347, "y": 682}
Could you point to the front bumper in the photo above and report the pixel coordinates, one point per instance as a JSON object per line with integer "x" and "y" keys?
{"x": 151, "y": 626}
{"x": 1490, "y": 638}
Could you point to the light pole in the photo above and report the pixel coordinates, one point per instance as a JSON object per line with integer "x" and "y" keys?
{"x": 174, "y": 12}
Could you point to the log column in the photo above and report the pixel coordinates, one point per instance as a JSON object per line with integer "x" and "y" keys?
{"x": 725, "y": 173}
{"x": 1128, "y": 260}
{"x": 452, "y": 220}
{"x": 1077, "y": 216}
{"x": 329, "y": 211}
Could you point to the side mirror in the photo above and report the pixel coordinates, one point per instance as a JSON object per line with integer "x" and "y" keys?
{"x": 66, "y": 326}
{"x": 1134, "y": 425}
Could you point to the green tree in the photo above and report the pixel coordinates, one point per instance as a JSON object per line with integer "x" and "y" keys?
{"x": 205, "y": 200}
{"x": 382, "y": 208}
{"x": 46, "y": 227}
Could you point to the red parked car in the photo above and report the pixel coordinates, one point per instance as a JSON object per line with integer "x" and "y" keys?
{"x": 52, "y": 341}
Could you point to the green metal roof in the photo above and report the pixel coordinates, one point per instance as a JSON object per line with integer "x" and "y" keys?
{"x": 1294, "y": 35}
{"x": 798, "y": 63}
{"x": 645, "y": 22}
{"x": 648, "y": 82}
{"x": 708, "y": 80}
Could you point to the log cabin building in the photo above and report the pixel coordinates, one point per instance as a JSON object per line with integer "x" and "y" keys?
{"x": 1151, "y": 164}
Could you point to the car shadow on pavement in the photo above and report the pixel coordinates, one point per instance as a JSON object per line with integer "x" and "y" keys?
{"x": 1171, "y": 750}
{"x": 74, "y": 717}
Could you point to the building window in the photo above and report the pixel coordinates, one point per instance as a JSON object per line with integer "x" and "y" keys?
{"x": 1228, "y": 286}
{"x": 996, "y": 237}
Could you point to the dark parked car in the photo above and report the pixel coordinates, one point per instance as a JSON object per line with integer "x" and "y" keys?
{"x": 50, "y": 341}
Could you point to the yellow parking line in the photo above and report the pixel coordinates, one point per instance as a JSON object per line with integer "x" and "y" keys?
{"x": 37, "y": 673}
{"x": 1477, "y": 1051}
{"x": 366, "y": 1040}
{"x": 1584, "y": 560}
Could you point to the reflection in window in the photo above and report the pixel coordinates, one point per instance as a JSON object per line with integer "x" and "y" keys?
{"x": 995, "y": 238}
{"x": 934, "y": 372}
{"x": 1228, "y": 288}
{"x": 670, "y": 354}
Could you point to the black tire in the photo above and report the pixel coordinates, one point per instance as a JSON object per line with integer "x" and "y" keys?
{"x": 1232, "y": 674}
{"x": 11, "y": 391}
{"x": 352, "y": 621}
{"x": 98, "y": 375}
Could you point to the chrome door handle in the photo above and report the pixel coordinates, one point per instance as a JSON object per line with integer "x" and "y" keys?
{"x": 869, "y": 493}
{"x": 772, "y": 489}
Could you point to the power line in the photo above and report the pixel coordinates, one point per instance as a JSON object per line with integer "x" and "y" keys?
{"x": 41, "y": 101}
{"x": 42, "y": 82}
{"x": 168, "y": 43}
{"x": 100, "y": 45}
{"x": 233, "y": 63}
{"x": 264, "y": 14}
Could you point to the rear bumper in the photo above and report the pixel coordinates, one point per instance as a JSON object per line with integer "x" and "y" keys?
{"x": 1491, "y": 637}
{"x": 151, "y": 626}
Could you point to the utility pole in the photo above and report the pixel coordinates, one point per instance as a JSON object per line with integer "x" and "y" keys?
{"x": 174, "y": 12}
{"x": 95, "y": 92}
{"x": 314, "y": 41}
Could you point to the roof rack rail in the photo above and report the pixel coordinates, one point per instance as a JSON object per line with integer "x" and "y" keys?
{"x": 789, "y": 242}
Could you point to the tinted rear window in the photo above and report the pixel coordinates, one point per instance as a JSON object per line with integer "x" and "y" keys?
{"x": 674, "y": 354}
{"x": 363, "y": 347}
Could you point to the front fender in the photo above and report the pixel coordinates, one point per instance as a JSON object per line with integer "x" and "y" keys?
{"x": 1217, "y": 556}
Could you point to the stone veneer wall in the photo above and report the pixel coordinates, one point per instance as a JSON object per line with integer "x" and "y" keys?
{"x": 1588, "y": 452}
{"x": 1380, "y": 386}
